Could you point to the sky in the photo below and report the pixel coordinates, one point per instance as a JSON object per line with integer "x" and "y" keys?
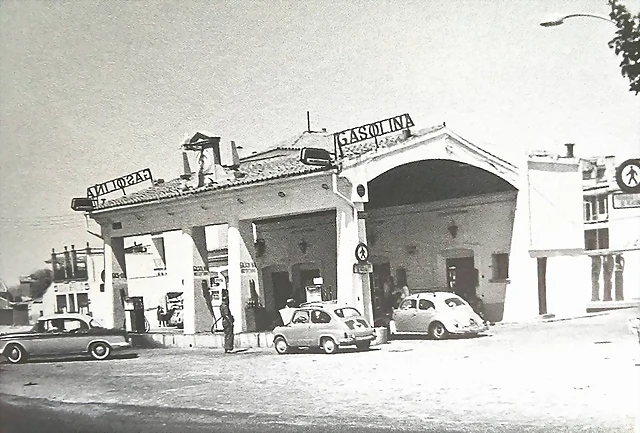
{"x": 93, "y": 90}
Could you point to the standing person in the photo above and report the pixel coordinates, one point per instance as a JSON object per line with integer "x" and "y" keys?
{"x": 227, "y": 323}
{"x": 160, "y": 314}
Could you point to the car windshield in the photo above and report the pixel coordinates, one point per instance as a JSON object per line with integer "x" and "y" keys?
{"x": 95, "y": 324}
{"x": 453, "y": 302}
{"x": 347, "y": 312}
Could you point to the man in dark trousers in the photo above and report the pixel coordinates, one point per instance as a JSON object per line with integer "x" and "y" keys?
{"x": 227, "y": 323}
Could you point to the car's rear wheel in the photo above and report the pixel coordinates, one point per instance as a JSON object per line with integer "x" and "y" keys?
{"x": 15, "y": 354}
{"x": 281, "y": 345}
{"x": 437, "y": 331}
{"x": 329, "y": 346}
{"x": 364, "y": 345}
{"x": 100, "y": 351}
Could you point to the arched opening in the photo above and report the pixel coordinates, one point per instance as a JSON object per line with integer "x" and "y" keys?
{"x": 442, "y": 225}
{"x": 432, "y": 180}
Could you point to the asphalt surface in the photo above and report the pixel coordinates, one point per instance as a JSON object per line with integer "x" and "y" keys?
{"x": 577, "y": 375}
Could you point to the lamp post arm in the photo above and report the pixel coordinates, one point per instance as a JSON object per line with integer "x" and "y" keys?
{"x": 601, "y": 17}
{"x": 556, "y": 21}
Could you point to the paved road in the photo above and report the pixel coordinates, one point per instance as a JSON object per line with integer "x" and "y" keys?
{"x": 577, "y": 375}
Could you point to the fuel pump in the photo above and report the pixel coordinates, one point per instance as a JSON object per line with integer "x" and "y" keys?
{"x": 217, "y": 284}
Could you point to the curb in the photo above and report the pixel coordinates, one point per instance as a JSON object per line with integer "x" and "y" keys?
{"x": 550, "y": 319}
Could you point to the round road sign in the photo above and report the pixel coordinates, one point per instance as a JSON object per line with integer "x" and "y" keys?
{"x": 628, "y": 175}
{"x": 362, "y": 252}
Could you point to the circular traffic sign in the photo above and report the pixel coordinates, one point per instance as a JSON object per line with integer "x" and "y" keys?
{"x": 628, "y": 175}
{"x": 362, "y": 252}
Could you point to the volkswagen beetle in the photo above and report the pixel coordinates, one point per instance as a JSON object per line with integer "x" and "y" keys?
{"x": 63, "y": 334}
{"x": 438, "y": 314}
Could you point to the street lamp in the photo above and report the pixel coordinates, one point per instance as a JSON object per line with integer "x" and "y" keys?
{"x": 556, "y": 21}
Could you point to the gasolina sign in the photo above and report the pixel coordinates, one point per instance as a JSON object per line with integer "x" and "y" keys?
{"x": 119, "y": 183}
{"x": 373, "y": 130}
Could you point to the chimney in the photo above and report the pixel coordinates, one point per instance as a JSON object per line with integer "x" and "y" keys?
{"x": 67, "y": 263}
{"x": 186, "y": 170}
{"x": 569, "y": 147}
{"x": 74, "y": 261}
{"x": 53, "y": 262}
{"x": 229, "y": 156}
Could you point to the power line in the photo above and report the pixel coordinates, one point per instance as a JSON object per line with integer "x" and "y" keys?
{"x": 43, "y": 218}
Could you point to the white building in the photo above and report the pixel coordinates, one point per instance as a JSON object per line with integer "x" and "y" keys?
{"x": 435, "y": 210}
{"x": 77, "y": 284}
{"x": 612, "y": 235}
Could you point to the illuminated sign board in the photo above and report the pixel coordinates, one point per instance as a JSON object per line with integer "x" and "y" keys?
{"x": 84, "y": 204}
{"x": 372, "y": 130}
{"x": 119, "y": 183}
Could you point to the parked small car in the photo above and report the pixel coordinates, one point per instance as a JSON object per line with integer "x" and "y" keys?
{"x": 438, "y": 314}
{"x": 327, "y": 325}
{"x": 63, "y": 334}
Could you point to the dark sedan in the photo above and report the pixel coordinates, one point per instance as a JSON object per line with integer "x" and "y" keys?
{"x": 63, "y": 334}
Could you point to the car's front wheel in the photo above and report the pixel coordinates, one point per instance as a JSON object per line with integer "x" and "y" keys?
{"x": 100, "y": 351}
{"x": 15, "y": 354}
{"x": 329, "y": 346}
{"x": 281, "y": 345}
{"x": 437, "y": 331}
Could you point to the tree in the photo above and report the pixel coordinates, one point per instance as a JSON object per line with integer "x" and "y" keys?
{"x": 42, "y": 279}
{"x": 626, "y": 43}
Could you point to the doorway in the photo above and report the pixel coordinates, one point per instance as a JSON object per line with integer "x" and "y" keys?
{"x": 282, "y": 288}
{"x": 380, "y": 276}
{"x": 542, "y": 285}
{"x": 462, "y": 277}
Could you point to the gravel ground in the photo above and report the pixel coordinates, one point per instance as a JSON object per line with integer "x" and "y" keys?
{"x": 575, "y": 375}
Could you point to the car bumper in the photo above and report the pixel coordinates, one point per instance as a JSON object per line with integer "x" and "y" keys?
{"x": 119, "y": 346}
{"x": 356, "y": 340}
{"x": 462, "y": 330}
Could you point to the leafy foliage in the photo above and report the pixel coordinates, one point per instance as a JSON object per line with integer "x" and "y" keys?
{"x": 627, "y": 42}
{"x": 42, "y": 279}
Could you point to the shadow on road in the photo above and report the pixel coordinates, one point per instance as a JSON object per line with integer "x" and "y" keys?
{"x": 419, "y": 337}
{"x": 83, "y": 358}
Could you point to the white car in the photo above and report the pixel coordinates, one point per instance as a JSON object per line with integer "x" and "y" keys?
{"x": 437, "y": 314}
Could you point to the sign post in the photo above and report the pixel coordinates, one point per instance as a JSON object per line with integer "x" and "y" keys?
{"x": 628, "y": 176}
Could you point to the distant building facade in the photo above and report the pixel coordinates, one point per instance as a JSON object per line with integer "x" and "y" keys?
{"x": 78, "y": 285}
{"x": 611, "y": 234}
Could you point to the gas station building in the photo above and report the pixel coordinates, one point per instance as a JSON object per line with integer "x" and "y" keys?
{"x": 433, "y": 210}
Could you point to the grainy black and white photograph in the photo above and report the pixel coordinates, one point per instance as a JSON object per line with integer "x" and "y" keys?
{"x": 319, "y": 216}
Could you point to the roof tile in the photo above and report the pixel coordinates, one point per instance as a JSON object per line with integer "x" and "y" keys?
{"x": 262, "y": 167}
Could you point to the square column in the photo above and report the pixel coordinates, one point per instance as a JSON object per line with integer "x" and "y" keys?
{"x": 243, "y": 273}
{"x": 115, "y": 282}
{"x": 195, "y": 281}
{"x": 353, "y": 288}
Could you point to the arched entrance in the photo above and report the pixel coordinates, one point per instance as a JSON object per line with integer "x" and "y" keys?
{"x": 442, "y": 225}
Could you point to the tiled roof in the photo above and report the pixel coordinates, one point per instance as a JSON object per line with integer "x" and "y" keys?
{"x": 280, "y": 161}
